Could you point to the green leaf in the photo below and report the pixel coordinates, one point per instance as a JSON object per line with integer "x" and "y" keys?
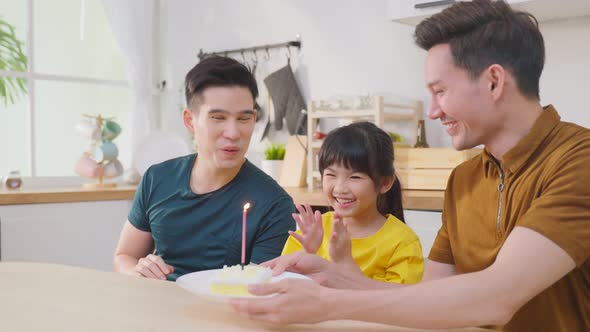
{"x": 275, "y": 152}
{"x": 12, "y": 58}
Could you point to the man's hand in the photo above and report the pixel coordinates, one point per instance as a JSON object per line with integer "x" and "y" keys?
{"x": 312, "y": 230}
{"x": 340, "y": 244}
{"x": 296, "y": 301}
{"x": 326, "y": 273}
{"x": 154, "y": 267}
{"x": 313, "y": 266}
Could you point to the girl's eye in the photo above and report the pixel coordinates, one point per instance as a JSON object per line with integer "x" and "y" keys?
{"x": 356, "y": 177}
{"x": 328, "y": 175}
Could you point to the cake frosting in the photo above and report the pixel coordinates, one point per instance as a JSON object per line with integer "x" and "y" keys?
{"x": 233, "y": 281}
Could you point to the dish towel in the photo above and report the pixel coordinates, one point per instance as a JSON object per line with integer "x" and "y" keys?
{"x": 287, "y": 100}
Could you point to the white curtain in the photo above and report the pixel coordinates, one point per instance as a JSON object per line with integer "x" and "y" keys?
{"x": 134, "y": 26}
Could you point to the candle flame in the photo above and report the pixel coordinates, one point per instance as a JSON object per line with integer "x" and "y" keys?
{"x": 246, "y": 206}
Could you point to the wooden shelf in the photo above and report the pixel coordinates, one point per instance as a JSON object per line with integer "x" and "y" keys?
{"x": 317, "y": 144}
{"x": 343, "y": 114}
{"x": 379, "y": 113}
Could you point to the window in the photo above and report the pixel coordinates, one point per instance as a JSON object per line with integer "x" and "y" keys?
{"x": 75, "y": 67}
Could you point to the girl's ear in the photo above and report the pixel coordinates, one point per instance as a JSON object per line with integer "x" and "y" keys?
{"x": 386, "y": 184}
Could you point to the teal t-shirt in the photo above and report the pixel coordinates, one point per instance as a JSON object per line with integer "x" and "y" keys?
{"x": 195, "y": 232}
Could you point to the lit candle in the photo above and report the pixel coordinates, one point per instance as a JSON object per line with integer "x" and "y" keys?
{"x": 244, "y": 217}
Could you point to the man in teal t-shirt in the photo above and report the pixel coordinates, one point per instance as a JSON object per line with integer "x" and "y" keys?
{"x": 189, "y": 209}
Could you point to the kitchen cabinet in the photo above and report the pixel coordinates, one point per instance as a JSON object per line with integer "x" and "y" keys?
{"x": 413, "y": 11}
{"x": 82, "y": 234}
{"x": 374, "y": 109}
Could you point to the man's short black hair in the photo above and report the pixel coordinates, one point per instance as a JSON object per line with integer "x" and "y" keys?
{"x": 484, "y": 32}
{"x": 218, "y": 71}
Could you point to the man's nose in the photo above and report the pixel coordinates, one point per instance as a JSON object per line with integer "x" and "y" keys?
{"x": 231, "y": 130}
{"x": 434, "y": 110}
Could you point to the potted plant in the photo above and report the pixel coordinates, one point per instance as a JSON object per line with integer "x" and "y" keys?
{"x": 273, "y": 160}
{"x": 12, "y": 58}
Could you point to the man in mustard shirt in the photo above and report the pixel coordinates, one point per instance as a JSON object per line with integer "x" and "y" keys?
{"x": 513, "y": 248}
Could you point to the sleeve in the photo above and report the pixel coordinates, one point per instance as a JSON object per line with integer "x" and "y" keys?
{"x": 441, "y": 250}
{"x": 274, "y": 231}
{"x": 292, "y": 245}
{"x": 406, "y": 264}
{"x": 562, "y": 211}
{"x": 138, "y": 213}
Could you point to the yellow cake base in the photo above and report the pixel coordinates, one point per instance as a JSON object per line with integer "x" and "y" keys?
{"x": 232, "y": 290}
{"x": 233, "y": 281}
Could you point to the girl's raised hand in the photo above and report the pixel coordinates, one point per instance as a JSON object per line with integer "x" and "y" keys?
{"x": 312, "y": 230}
{"x": 340, "y": 243}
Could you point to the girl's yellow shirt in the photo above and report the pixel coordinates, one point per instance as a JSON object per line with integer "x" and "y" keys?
{"x": 391, "y": 254}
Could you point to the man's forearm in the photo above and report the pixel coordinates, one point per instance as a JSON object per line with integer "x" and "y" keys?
{"x": 488, "y": 297}
{"x": 348, "y": 275}
{"x": 458, "y": 301}
{"x": 125, "y": 264}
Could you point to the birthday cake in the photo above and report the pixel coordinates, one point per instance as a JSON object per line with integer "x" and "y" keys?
{"x": 233, "y": 281}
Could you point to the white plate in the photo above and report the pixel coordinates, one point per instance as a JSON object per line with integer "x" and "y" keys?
{"x": 198, "y": 283}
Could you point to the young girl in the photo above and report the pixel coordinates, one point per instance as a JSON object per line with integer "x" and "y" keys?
{"x": 367, "y": 226}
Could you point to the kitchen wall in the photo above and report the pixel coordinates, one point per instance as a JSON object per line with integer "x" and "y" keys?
{"x": 564, "y": 82}
{"x": 348, "y": 48}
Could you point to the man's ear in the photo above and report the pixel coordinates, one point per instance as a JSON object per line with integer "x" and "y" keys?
{"x": 187, "y": 119}
{"x": 386, "y": 184}
{"x": 496, "y": 79}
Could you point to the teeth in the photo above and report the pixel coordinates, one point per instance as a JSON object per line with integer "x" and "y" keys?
{"x": 343, "y": 201}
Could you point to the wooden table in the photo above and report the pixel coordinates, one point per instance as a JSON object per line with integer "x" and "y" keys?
{"x": 47, "y": 297}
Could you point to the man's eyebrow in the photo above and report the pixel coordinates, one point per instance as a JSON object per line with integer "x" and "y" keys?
{"x": 435, "y": 82}
{"x": 214, "y": 111}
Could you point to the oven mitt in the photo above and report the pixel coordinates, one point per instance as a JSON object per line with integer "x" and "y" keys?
{"x": 287, "y": 100}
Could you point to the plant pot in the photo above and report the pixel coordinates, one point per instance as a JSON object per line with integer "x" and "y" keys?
{"x": 272, "y": 168}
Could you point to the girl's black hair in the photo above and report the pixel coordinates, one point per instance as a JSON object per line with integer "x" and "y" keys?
{"x": 366, "y": 148}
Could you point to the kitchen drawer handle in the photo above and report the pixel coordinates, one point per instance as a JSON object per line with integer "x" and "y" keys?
{"x": 433, "y": 4}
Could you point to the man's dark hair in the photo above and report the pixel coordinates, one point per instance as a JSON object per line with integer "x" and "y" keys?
{"x": 217, "y": 71}
{"x": 483, "y": 32}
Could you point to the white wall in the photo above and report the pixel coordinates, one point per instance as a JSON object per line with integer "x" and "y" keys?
{"x": 349, "y": 47}
{"x": 564, "y": 82}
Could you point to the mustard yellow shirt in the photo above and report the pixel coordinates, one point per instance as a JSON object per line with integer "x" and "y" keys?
{"x": 391, "y": 254}
{"x": 546, "y": 188}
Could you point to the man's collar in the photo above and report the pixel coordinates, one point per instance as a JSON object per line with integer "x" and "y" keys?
{"x": 515, "y": 158}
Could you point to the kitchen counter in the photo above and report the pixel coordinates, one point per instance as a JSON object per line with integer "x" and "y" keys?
{"x": 65, "y": 195}
{"x": 413, "y": 199}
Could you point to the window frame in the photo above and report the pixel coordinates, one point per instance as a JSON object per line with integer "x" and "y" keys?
{"x": 32, "y": 76}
